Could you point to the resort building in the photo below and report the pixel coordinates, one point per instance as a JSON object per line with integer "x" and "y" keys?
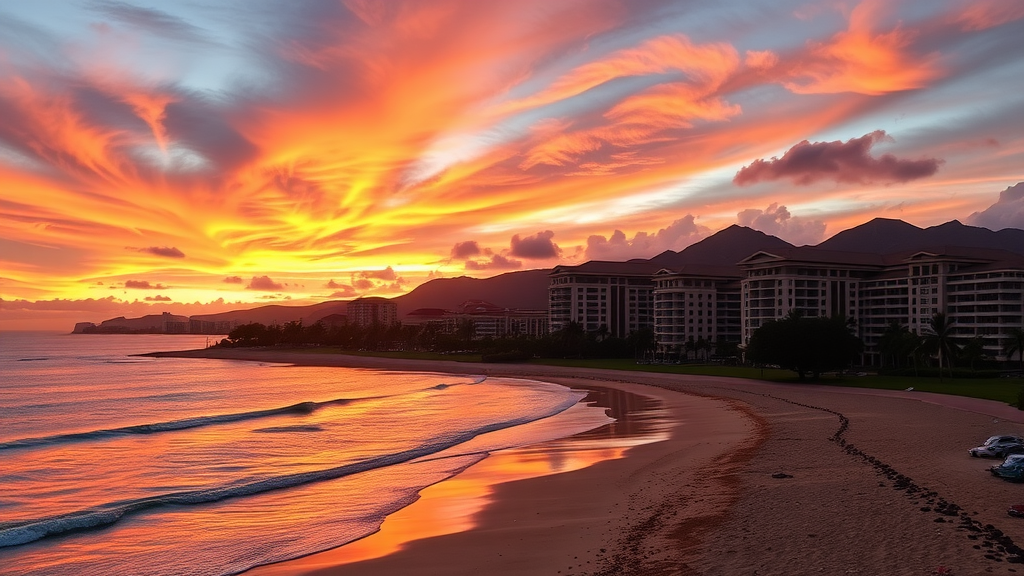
{"x": 372, "y": 310}
{"x": 199, "y": 326}
{"x": 980, "y": 290}
{"x": 493, "y": 321}
{"x": 486, "y": 320}
{"x": 696, "y": 305}
{"x": 806, "y": 280}
{"x": 614, "y": 296}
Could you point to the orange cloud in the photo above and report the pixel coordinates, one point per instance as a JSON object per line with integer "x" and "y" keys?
{"x": 152, "y": 109}
{"x": 374, "y": 133}
{"x": 864, "y": 61}
{"x": 984, "y": 14}
{"x": 702, "y": 63}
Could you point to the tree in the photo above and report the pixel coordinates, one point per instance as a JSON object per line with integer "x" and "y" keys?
{"x": 466, "y": 330}
{"x": 254, "y": 334}
{"x": 973, "y": 351}
{"x": 805, "y": 345}
{"x": 725, "y": 348}
{"x": 689, "y": 346}
{"x": 940, "y": 340}
{"x": 890, "y": 345}
{"x": 704, "y": 346}
{"x": 1015, "y": 346}
{"x": 641, "y": 341}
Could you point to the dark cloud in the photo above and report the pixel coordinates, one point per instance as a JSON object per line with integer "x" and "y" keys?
{"x": 849, "y": 162}
{"x": 264, "y": 283}
{"x": 675, "y": 236}
{"x": 362, "y": 284}
{"x": 143, "y": 285}
{"x": 157, "y": 298}
{"x": 385, "y": 274}
{"x": 165, "y": 251}
{"x": 155, "y": 22}
{"x": 201, "y": 125}
{"x": 233, "y": 280}
{"x": 497, "y": 262}
{"x": 463, "y": 250}
{"x": 1007, "y": 212}
{"x": 777, "y": 221}
{"x": 345, "y": 292}
{"x": 536, "y": 247}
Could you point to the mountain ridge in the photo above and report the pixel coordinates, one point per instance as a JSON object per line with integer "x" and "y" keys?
{"x": 527, "y": 289}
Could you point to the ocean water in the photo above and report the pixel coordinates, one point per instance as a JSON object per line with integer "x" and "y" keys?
{"x": 116, "y": 464}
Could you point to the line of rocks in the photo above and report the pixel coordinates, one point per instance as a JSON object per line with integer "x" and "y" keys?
{"x": 995, "y": 545}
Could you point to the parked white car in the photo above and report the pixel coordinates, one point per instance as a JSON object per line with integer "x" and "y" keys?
{"x": 999, "y": 446}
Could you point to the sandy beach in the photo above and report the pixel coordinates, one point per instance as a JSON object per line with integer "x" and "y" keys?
{"x": 754, "y": 478}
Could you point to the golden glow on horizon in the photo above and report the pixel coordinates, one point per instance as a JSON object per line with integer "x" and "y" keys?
{"x": 397, "y": 131}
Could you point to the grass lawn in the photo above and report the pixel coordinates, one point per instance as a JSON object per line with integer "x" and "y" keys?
{"x": 467, "y": 357}
{"x": 1004, "y": 390}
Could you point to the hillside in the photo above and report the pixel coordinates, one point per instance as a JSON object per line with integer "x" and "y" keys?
{"x": 724, "y": 248}
{"x": 276, "y": 313}
{"x": 527, "y": 289}
{"x": 886, "y": 236}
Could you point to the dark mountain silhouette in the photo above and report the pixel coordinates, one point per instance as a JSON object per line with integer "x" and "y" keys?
{"x": 527, "y": 289}
{"x": 723, "y": 248}
{"x": 275, "y": 313}
{"x": 886, "y": 236}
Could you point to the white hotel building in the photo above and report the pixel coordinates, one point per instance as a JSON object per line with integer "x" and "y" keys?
{"x": 981, "y": 290}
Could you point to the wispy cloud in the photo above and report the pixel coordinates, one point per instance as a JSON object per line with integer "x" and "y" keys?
{"x": 333, "y": 139}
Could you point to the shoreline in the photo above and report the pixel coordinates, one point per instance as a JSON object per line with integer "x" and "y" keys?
{"x": 565, "y": 519}
{"x": 874, "y": 482}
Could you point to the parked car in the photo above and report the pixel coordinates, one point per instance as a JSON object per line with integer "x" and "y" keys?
{"x": 1011, "y": 469}
{"x": 999, "y": 446}
{"x": 1017, "y": 511}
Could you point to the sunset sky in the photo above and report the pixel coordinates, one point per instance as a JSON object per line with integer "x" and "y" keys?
{"x": 188, "y": 156}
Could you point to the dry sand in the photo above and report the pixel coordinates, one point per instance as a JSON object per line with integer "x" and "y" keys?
{"x": 879, "y": 483}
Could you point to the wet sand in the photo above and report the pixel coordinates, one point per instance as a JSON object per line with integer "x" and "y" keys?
{"x": 755, "y": 478}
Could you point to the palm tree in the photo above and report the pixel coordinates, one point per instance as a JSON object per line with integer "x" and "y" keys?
{"x": 973, "y": 350}
{"x": 690, "y": 346}
{"x": 891, "y": 342}
{"x": 1016, "y": 346}
{"x": 941, "y": 340}
{"x": 704, "y": 346}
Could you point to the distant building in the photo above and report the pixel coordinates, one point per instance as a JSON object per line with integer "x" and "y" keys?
{"x": 444, "y": 321}
{"x": 618, "y": 296}
{"x": 198, "y": 326}
{"x": 980, "y": 290}
{"x": 697, "y": 303}
{"x": 486, "y": 319}
{"x": 494, "y": 321}
{"x": 372, "y": 310}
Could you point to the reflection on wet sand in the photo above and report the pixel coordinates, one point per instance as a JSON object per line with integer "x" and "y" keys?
{"x": 450, "y": 506}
